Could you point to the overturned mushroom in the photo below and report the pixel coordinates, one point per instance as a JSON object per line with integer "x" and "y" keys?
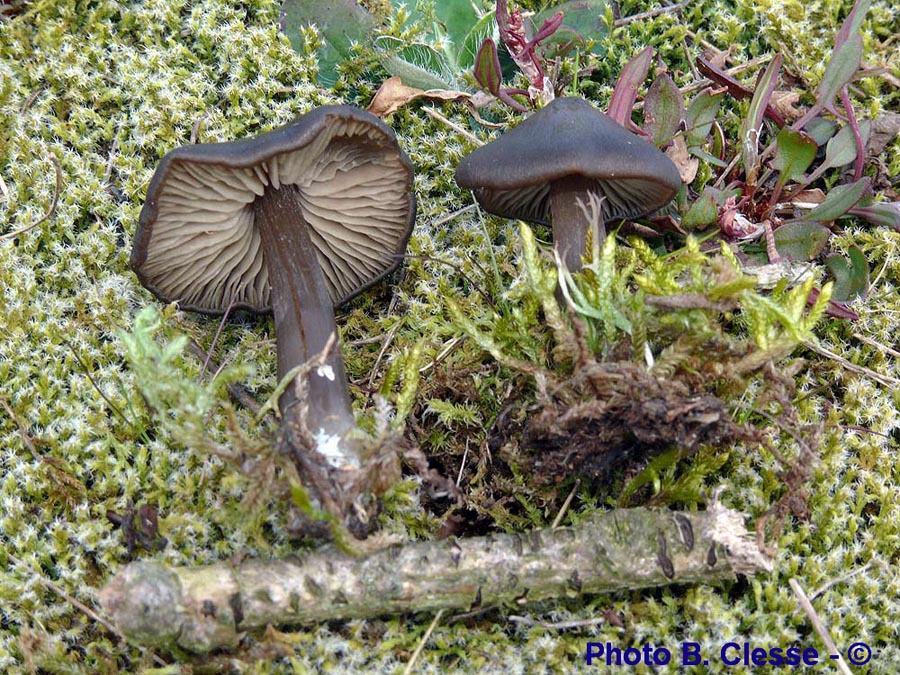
{"x": 296, "y": 221}
{"x": 540, "y": 169}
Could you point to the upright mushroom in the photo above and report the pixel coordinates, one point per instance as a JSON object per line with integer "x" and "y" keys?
{"x": 538, "y": 171}
{"x": 297, "y": 220}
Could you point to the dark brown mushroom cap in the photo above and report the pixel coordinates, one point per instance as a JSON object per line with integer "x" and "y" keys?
{"x": 196, "y": 242}
{"x": 511, "y": 176}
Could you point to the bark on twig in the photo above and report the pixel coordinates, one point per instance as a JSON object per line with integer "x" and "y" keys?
{"x": 205, "y": 608}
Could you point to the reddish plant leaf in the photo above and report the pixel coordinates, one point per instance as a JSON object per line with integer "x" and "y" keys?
{"x": 883, "y": 213}
{"x": 735, "y": 88}
{"x": 846, "y": 58}
{"x": 511, "y": 25}
{"x": 548, "y": 28}
{"x": 663, "y": 110}
{"x": 843, "y": 65}
{"x": 838, "y": 310}
{"x": 487, "y": 67}
{"x": 621, "y": 104}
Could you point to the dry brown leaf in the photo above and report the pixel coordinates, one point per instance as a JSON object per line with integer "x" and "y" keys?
{"x": 393, "y": 95}
{"x": 785, "y": 102}
{"x": 885, "y": 128}
{"x": 687, "y": 165}
{"x": 815, "y": 196}
{"x": 719, "y": 58}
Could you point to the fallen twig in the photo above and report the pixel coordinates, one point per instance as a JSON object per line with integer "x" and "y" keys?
{"x": 422, "y": 643}
{"x": 566, "y": 504}
{"x": 237, "y": 392}
{"x": 77, "y": 604}
{"x": 819, "y": 627}
{"x": 205, "y": 608}
{"x": 873, "y": 343}
{"x": 885, "y": 380}
{"x": 668, "y": 9}
{"x": 434, "y": 114}
{"x": 557, "y": 625}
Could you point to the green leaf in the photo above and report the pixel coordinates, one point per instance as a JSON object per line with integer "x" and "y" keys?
{"x": 417, "y": 65}
{"x": 707, "y": 157}
{"x": 840, "y": 200}
{"x": 846, "y": 58}
{"x": 851, "y": 276}
{"x": 700, "y": 115}
{"x": 582, "y": 26}
{"x": 840, "y": 70}
{"x": 481, "y": 31}
{"x": 663, "y": 110}
{"x": 820, "y": 129}
{"x": 342, "y": 23}
{"x": 841, "y": 149}
{"x": 703, "y": 212}
{"x": 457, "y": 17}
{"x": 801, "y": 240}
{"x": 794, "y": 152}
{"x": 752, "y": 124}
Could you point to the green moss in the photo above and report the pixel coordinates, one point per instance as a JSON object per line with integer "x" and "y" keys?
{"x": 106, "y": 89}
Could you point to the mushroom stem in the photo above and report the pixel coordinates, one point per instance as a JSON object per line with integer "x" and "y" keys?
{"x": 304, "y": 322}
{"x": 570, "y": 224}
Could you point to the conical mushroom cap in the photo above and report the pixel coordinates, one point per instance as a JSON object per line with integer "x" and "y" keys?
{"x": 197, "y": 244}
{"x": 511, "y": 176}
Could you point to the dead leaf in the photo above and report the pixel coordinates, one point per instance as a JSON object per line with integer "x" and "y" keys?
{"x": 687, "y": 165}
{"x": 718, "y": 58}
{"x": 663, "y": 224}
{"x": 885, "y": 128}
{"x": 476, "y": 102}
{"x": 785, "y": 102}
{"x": 393, "y": 95}
{"x": 805, "y": 197}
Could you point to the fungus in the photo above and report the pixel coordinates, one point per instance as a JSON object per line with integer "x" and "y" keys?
{"x": 539, "y": 171}
{"x": 295, "y": 221}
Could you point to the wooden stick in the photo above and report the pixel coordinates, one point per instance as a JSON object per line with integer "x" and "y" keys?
{"x": 819, "y": 627}
{"x": 205, "y": 608}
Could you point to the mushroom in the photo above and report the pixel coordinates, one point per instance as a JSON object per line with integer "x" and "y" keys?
{"x": 540, "y": 169}
{"x": 297, "y": 221}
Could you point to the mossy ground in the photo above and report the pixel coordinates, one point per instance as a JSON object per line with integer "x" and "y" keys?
{"x": 106, "y": 89}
